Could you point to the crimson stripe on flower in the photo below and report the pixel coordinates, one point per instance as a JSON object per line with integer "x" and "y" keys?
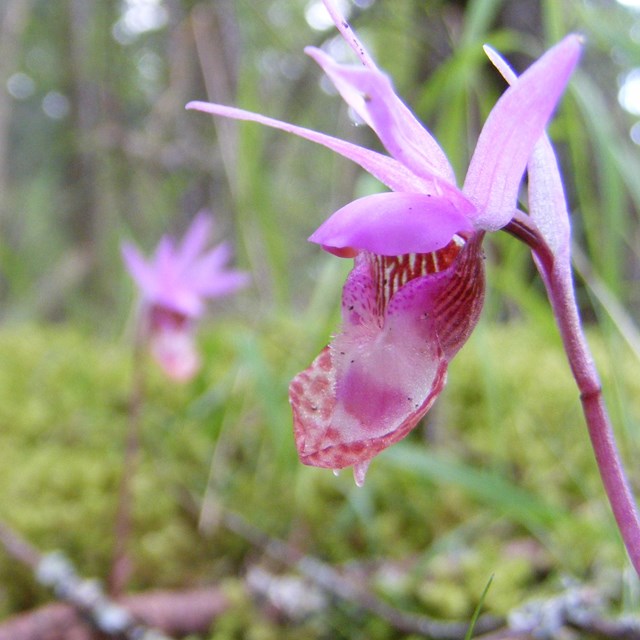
{"x": 393, "y": 272}
{"x": 457, "y": 306}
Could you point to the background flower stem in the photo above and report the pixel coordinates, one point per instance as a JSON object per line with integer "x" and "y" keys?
{"x": 122, "y": 564}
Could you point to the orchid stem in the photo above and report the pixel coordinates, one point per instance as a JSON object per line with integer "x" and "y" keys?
{"x": 561, "y": 294}
{"x": 122, "y": 563}
{"x": 615, "y": 482}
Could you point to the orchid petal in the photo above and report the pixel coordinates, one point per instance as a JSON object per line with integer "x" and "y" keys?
{"x": 513, "y": 127}
{"x": 207, "y": 275}
{"x": 370, "y": 93}
{"x": 348, "y": 34}
{"x": 383, "y": 372}
{"x": 360, "y": 306}
{"x": 164, "y": 261}
{"x": 196, "y": 238}
{"x": 140, "y": 270}
{"x": 313, "y": 402}
{"x": 224, "y": 283}
{"x": 395, "y": 223}
{"x": 206, "y": 269}
{"x": 389, "y": 171}
{"x": 547, "y": 202}
{"x": 215, "y": 259}
{"x": 500, "y": 64}
{"x": 453, "y": 298}
{"x": 180, "y": 299}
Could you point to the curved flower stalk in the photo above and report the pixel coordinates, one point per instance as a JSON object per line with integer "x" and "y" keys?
{"x": 547, "y": 231}
{"x": 173, "y": 286}
{"x": 416, "y": 290}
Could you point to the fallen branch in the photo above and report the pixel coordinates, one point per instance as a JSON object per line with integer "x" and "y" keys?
{"x": 326, "y": 577}
{"x": 578, "y": 607}
{"x": 88, "y": 609}
{"x": 176, "y": 613}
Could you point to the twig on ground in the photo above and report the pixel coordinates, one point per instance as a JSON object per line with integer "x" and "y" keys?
{"x": 579, "y": 607}
{"x": 337, "y": 585}
{"x": 177, "y": 613}
{"x": 87, "y": 599}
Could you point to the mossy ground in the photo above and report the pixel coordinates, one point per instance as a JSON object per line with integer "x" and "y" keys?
{"x": 500, "y": 480}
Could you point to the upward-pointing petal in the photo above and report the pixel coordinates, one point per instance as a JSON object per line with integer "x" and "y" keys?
{"x": 195, "y": 239}
{"x": 370, "y": 94}
{"x": 513, "y": 127}
{"x": 547, "y": 203}
{"x": 348, "y": 34}
{"x": 139, "y": 268}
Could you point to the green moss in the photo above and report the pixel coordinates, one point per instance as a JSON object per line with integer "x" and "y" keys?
{"x": 509, "y": 419}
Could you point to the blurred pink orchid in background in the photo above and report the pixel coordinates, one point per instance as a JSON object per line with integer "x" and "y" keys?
{"x": 173, "y": 286}
{"x": 416, "y": 290}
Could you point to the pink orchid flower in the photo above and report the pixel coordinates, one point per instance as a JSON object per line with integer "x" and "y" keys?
{"x": 173, "y": 286}
{"x": 416, "y": 290}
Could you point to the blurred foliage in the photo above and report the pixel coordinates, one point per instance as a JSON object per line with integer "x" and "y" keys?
{"x": 95, "y": 146}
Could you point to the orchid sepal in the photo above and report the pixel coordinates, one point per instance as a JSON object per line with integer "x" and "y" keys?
{"x": 513, "y": 127}
{"x": 370, "y": 93}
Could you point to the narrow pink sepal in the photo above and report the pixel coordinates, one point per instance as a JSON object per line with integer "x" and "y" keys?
{"x": 348, "y": 34}
{"x": 513, "y": 127}
{"x": 369, "y": 92}
{"x": 388, "y": 170}
{"x": 140, "y": 270}
{"x": 195, "y": 239}
{"x": 209, "y": 277}
{"x": 224, "y": 284}
{"x": 212, "y": 261}
{"x": 547, "y": 202}
{"x": 393, "y": 224}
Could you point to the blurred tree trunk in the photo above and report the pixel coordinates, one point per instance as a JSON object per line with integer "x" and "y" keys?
{"x": 80, "y": 167}
{"x": 12, "y": 23}
{"x": 84, "y": 41}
